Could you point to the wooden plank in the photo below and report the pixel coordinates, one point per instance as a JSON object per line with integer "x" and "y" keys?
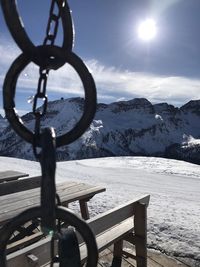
{"x": 41, "y": 249}
{"x": 33, "y": 195}
{"x": 64, "y": 189}
{"x": 72, "y": 193}
{"x": 11, "y": 175}
{"x": 155, "y": 259}
{"x": 164, "y": 260}
{"x": 27, "y": 241}
{"x": 150, "y": 263}
{"x": 81, "y": 194}
{"x": 19, "y": 185}
{"x": 13, "y": 204}
{"x": 108, "y": 237}
{"x": 140, "y": 226}
{"x": 23, "y": 196}
{"x": 114, "y": 216}
{"x": 105, "y": 259}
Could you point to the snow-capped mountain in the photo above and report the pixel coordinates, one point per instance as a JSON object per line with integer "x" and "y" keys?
{"x": 3, "y": 123}
{"x": 125, "y": 128}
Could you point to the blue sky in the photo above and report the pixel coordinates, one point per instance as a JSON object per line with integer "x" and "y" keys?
{"x": 165, "y": 69}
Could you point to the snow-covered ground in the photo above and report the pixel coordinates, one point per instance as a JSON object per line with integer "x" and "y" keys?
{"x": 174, "y": 186}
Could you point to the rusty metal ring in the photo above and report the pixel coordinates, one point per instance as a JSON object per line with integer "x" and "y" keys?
{"x": 9, "y": 89}
{"x": 63, "y": 214}
{"x": 15, "y": 25}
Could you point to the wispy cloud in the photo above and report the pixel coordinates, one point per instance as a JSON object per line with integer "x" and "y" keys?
{"x": 113, "y": 84}
{"x": 123, "y": 84}
{"x": 157, "y": 7}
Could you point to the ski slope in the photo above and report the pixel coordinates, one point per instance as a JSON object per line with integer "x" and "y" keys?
{"x": 174, "y": 186}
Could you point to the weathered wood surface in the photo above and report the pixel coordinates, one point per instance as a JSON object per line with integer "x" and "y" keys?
{"x": 13, "y": 204}
{"x": 109, "y": 227}
{"x": 27, "y": 241}
{"x": 11, "y": 187}
{"x": 11, "y": 175}
{"x": 164, "y": 260}
{"x": 140, "y": 226}
{"x": 116, "y": 215}
{"x": 154, "y": 259}
{"x": 105, "y": 260}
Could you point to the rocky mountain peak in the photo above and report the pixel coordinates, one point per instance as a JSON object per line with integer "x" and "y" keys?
{"x": 192, "y": 106}
{"x": 140, "y": 104}
{"x": 165, "y": 109}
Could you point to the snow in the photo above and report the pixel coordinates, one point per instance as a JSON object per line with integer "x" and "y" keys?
{"x": 190, "y": 141}
{"x": 174, "y": 186}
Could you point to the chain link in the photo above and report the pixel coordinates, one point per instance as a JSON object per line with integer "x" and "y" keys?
{"x": 51, "y": 34}
{"x": 41, "y": 93}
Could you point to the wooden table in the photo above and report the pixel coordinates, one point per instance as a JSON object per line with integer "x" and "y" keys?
{"x": 13, "y": 204}
{"x": 11, "y": 175}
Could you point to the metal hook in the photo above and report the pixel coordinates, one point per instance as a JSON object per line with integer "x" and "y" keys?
{"x": 48, "y": 186}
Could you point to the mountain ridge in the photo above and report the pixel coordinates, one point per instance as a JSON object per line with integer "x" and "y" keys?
{"x": 124, "y": 128}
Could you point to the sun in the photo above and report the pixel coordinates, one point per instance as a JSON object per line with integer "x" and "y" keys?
{"x": 147, "y": 30}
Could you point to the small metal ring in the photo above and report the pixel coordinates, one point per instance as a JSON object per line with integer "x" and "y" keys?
{"x": 9, "y": 89}
{"x": 63, "y": 214}
{"x": 20, "y": 36}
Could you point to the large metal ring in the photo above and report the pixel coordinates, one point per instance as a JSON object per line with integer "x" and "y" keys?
{"x": 15, "y": 25}
{"x": 9, "y": 89}
{"x": 63, "y": 214}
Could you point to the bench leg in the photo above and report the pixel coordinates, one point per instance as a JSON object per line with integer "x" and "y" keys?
{"x": 140, "y": 223}
{"x": 117, "y": 254}
{"x": 84, "y": 209}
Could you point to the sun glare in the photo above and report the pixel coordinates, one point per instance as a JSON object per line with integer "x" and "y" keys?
{"x": 147, "y": 30}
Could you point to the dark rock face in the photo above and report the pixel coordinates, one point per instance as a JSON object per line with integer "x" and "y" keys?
{"x": 125, "y": 128}
{"x": 192, "y": 106}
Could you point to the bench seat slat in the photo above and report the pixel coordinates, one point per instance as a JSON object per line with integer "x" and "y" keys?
{"x": 8, "y": 199}
{"x": 83, "y": 191}
{"x": 18, "y": 203}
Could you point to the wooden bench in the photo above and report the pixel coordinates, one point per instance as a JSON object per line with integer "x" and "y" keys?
{"x": 127, "y": 222}
{"x": 17, "y": 196}
{"x": 11, "y": 175}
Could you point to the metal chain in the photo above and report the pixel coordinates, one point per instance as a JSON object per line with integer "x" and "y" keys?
{"x": 48, "y": 56}
{"x": 51, "y": 34}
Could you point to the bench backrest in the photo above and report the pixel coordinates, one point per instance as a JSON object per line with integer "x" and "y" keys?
{"x": 11, "y": 175}
{"x": 98, "y": 224}
{"x": 11, "y": 187}
{"x": 114, "y": 216}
